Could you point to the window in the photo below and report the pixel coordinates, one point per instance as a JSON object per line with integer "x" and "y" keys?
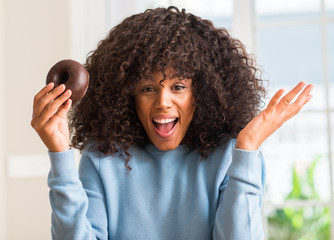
{"x": 218, "y": 11}
{"x": 295, "y": 43}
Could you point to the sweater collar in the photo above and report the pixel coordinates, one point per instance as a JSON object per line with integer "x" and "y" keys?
{"x": 180, "y": 151}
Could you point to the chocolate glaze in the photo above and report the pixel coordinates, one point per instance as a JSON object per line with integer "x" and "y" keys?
{"x": 73, "y": 75}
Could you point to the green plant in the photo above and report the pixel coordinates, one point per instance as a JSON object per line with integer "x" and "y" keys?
{"x": 309, "y": 223}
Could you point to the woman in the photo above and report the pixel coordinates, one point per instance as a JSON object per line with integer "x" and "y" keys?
{"x": 169, "y": 131}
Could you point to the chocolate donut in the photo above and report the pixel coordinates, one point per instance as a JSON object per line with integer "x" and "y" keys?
{"x": 73, "y": 75}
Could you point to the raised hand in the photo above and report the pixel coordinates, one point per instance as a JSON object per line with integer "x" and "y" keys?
{"x": 49, "y": 118}
{"x": 279, "y": 110}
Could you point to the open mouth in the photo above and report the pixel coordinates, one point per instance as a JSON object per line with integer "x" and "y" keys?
{"x": 165, "y": 127}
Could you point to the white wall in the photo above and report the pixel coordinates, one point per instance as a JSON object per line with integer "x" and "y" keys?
{"x": 36, "y": 35}
{"x": 88, "y": 26}
{"x": 92, "y": 20}
{"x": 3, "y": 226}
{"x": 244, "y": 23}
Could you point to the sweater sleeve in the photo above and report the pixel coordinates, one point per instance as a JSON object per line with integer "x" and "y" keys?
{"x": 78, "y": 206}
{"x": 238, "y": 215}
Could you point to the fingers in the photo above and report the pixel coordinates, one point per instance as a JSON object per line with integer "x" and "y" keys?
{"x": 288, "y": 108}
{"x": 275, "y": 99}
{"x": 55, "y": 108}
{"x": 48, "y": 103}
{"x": 304, "y": 97}
{"x": 301, "y": 100}
{"x": 60, "y": 114}
{"x": 284, "y": 105}
{"x": 63, "y": 110}
{"x": 286, "y": 100}
{"x": 42, "y": 93}
{"x": 45, "y": 97}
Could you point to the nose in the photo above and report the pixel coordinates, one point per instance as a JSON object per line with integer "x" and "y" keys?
{"x": 164, "y": 99}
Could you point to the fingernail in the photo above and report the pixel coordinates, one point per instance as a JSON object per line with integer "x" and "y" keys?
{"x": 61, "y": 86}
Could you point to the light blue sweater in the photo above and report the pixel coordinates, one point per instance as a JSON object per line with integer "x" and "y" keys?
{"x": 172, "y": 195}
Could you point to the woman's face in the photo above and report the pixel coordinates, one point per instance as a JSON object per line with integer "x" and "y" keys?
{"x": 165, "y": 111}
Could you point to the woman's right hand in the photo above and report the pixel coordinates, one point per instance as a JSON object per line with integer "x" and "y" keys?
{"x": 49, "y": 118}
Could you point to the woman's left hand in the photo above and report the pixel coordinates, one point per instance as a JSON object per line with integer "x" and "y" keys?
{"x": 278, "y": 111}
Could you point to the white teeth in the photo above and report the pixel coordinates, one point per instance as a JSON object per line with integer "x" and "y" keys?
{"x": 162, "y": 121}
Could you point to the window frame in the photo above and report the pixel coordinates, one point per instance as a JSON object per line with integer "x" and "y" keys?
{"x": 323, "y": 21}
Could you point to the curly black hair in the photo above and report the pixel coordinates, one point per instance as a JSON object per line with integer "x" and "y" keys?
{"x": 227, "y": 82}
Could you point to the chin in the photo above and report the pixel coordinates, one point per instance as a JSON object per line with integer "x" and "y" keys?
{"x": 166, "y": 147}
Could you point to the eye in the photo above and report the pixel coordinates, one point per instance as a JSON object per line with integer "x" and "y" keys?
{"x": 178, "y": 87}
{"x": 147, "y": 89}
